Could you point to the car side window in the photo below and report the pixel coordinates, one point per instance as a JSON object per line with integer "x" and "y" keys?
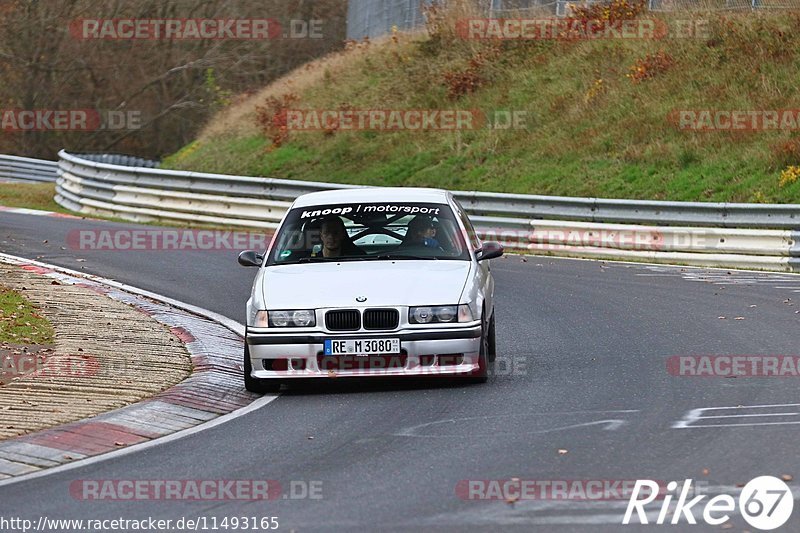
{"x": 471, "y": 234}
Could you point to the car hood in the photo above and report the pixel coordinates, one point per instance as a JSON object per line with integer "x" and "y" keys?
{"x": 383, "y": 283}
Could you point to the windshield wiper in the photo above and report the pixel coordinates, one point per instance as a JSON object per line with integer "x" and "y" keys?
{"x": 389, "y": 257}
{"x": 378, "y": 257}
{"x": 320, "y": 259}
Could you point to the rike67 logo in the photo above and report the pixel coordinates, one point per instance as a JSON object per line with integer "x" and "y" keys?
{"x": 765, "y": 503}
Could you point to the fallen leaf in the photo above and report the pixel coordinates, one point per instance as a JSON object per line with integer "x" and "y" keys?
{"x": 705, "y": 471}
{"x": 787, "y": 477}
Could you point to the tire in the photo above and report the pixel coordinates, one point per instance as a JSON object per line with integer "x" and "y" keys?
{"x": 484, "y": 362}
{"x": 492, "y": 353}
{"x": 256, "y": 385}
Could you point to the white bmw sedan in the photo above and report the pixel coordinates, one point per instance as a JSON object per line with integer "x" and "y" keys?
{"x": 371, "y": 282}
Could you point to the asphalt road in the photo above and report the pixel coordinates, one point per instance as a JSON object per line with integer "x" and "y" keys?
{"x": 584, "y": 348}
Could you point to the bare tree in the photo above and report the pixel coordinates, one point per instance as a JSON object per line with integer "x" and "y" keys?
{"x": 173, "y": 86}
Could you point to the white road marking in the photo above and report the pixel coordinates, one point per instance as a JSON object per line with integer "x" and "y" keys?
{"x": 744, "y": 416}
{"x": 611, "y": 424}
{"x": 688, "y": 421}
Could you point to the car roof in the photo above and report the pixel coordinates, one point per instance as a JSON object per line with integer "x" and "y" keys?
{"x": 372, "y": 194}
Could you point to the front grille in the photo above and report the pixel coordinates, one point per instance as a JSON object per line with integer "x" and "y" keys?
{"x": 343, "y": 320}
{"x": 381, "y": 318}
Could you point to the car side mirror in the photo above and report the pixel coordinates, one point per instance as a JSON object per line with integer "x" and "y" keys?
{"x": 489, "y": 250}
{"x": 251, "y": 258}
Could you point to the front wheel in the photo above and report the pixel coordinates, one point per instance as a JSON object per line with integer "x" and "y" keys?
{"x": 492, "y": 353}
{"x": 252, "y": 384}
{"x": 487, "y": 354}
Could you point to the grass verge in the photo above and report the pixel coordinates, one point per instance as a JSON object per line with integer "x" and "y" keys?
{"x": 20, "y": 322}
{"x": 30, "y": 195}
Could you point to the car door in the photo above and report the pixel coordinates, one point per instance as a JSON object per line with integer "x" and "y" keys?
{"x": 484, "y": 273}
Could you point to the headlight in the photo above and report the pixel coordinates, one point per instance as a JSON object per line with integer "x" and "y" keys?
{"x": 440, "y": 314}
{"x": 420, "y": 315}
{"x": 278, "y": 319}
{"x": 301, "y": 318}
{"x": 445, "y": 314}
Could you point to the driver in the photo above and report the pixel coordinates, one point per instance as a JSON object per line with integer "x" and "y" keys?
{"x": 335, "y": 241}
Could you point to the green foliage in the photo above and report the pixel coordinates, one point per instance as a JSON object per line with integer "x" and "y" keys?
{"x": 590, "y": 129}
{"x": 20, "y": 322}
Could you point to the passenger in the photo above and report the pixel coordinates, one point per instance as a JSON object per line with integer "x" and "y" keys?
{"x": 421, "y": 233}
{"x": 429, "y": 237}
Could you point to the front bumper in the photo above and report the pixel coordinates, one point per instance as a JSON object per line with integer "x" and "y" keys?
{"x": 420, "y": 350}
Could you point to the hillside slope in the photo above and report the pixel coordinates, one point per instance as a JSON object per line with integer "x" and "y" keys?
{"x": 601, "y": 115}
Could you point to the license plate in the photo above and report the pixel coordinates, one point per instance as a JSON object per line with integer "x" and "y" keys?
{"x": 362, "y": 346}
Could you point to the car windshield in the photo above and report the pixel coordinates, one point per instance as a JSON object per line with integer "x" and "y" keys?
{"x": 367, "y": 232}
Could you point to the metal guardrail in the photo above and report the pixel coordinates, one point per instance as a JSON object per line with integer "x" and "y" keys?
{"x": 102, "y": 176}
{"x": 760, "y": 236}
{"x": 120, "y": 159}
{"x": 27, "y": 169}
